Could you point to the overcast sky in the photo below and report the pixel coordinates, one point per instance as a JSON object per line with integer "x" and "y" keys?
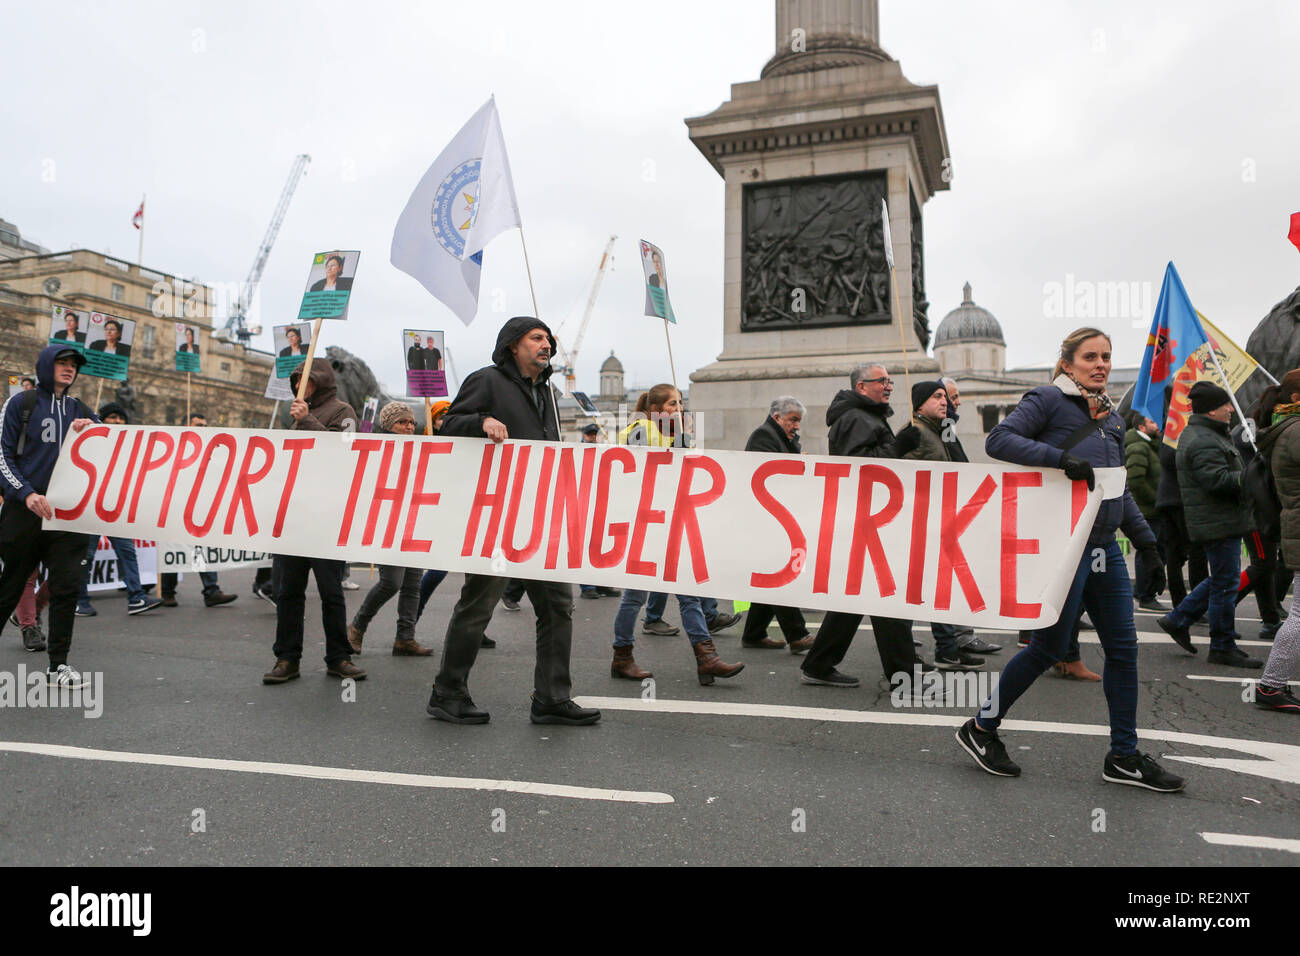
{"x": 1092, "y": 139}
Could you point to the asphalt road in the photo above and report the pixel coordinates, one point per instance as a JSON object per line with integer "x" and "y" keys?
{"x": 194, "y": 762}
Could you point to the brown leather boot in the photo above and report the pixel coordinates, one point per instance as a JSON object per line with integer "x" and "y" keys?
{"x": 708, "y": 665}
{"x": 281, "y": 672}
{"x": 411, "y": 648}
{"x": 355, "y": 638}
{"x": 624, "y": 666}
{"x": 1074, "y": 670}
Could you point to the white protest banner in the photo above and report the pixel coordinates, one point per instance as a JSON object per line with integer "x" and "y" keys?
{"x": 986, "y": 545}
{"x": 152, "y": 558}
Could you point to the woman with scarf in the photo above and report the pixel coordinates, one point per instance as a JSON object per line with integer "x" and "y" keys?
{"x": 1072, "y": 425}
{"x": 1279, "y": 410}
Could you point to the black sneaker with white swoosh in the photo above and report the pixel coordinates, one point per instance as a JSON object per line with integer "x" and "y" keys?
{"x": 987, "y": 749}
{"x": 1140, "y": 770}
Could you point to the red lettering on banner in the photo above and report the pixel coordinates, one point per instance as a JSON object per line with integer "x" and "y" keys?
{"x": 192, "y": 441}
{"x": 295, "y": 447}
{"x": 832, "y": 473}
{"x": 540, "y": 496}
{"x": 246, "y": 478}
{"x": 607, "y": 559}
{"x": 952, "y": 524}
{"x": 363, "y": 446}
{"x": 920, "y": 529}
{"x": 685, "y": 518}
{"x": 572, "y": 499}
{"x": 482, "y": 500}
{"x": 220, "y": 440}
{"x": 150, "y": 464}
{"x": 866, "y": 529}
{"x": 420, "y": 498}
{"x": 391, "y": 493}
{"x": 645, "y": 515}
{"x": 96, "y": 431}
{"x": 798, "y": 541}
{"x": 1078, "y": 502}
{"x": 1013, "y": 544}
{"x": 107, "y": 514}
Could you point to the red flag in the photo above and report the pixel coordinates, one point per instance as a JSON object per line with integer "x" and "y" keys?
{"x": 1294, "y": 234}
{"x": 138, "y": 219}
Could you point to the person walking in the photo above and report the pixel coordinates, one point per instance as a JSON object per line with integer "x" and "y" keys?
{"x": 1171, "y": 526}
{"x": 512, "y": 398}
{"x": 1279, "y": 443}
{"x": 395, "y": 418}
{"x": 858, "y": 418}
{"x": 1072, "y": 424}
{"x": 1142, "y": 462}
{"x": 778, "y": 435}
{"x": 320, "y": 411}
{"x": 659, "y": 425}
{"x": 33, "y": 426}
{"x": 1218, "y": 515}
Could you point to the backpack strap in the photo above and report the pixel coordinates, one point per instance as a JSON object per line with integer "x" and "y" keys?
{"x": 1082, "y": 432}
{"x": 24, "y": 417}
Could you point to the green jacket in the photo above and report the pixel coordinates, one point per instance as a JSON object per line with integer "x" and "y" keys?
{"x": 1281, "y": 443}
{"x": 1209, "y": 477}
{"x": 932, "y": 447}
{"x": 1142, "y": 459}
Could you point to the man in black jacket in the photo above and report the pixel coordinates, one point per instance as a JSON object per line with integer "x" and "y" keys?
{"x": 778, "y": 435}
{"x": 511, "y": 398}
{"x": 858, "y": 419}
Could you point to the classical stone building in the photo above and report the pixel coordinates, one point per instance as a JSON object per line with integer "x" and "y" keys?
{"x": 616, "y": 402}
{"x": 232, "y": 378}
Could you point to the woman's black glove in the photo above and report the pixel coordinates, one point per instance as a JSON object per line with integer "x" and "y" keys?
{"x": 1076, "y": 469}
{"x": 907, "y": 441}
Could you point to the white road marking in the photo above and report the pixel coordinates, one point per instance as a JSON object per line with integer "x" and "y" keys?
{"x": 1086, "y": 637}
{"x": 1258, "y": 842}
{"x": 336, "y": 773}
{"x": 1280, "y": 761}
{"x": 1242, "y": 681}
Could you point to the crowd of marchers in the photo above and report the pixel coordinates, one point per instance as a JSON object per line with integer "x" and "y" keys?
{"x": 1192, "y": 507}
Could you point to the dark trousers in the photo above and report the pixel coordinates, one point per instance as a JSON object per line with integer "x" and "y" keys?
{"x": 893, "y": 641}
{"x": 793, "y": 627}
{"x": 404, "y": 582}
{"x": 290, "y": 575}
{"x": 1107, "y": 594}
{"x": 1180, "y": 550}
{"x": 552, "y": 601}
{"x": 23, "y": 545}
{"x": 1216, "y": 595}
{"x": 1147, "y": 566}
{"x": 1261, "y": 576}
{"x": 167, "y": 583}
{"x": 428, "y": 584}
{"x": 515, "y": 589}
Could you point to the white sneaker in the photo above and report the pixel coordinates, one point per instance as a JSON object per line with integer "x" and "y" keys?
{"x": 65, "y": 677}
{"x": 350, "y": 585}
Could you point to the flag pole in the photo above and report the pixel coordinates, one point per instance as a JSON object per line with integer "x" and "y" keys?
{"x": 311, "y": 355}
{"x": 275, "y": 411}
{"x": 1248, "y": 432}
{"x": 139, "y": 256}
{"x": 888, "y": 238}
{"x": 532, "y": 291}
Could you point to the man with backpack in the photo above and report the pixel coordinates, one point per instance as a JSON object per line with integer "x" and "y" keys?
{"x": 34, "y": 426}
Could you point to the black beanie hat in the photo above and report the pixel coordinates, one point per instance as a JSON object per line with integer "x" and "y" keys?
{"x": 922, "y": 391}
{"x": 113, "y": 408}
{"x": 1206, "y": 397}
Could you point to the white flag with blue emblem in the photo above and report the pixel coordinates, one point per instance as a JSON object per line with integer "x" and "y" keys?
{"x": 462, "y": 203}
{"x": 889, "y": 239}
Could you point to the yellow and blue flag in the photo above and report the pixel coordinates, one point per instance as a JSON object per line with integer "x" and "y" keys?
{"x": 1176, "y": 333}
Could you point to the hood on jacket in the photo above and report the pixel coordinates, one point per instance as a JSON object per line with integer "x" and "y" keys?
{"x": 322, "y": 376}
{"x": 1268, "y": 437}
{"x": 847, "y": 398}
{"x": 45, "y": 365}
{"x": 511, "y": 333}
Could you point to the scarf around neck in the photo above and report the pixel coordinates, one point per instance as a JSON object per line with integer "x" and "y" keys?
{"x": 1099, "y": 403}
{"x": 1282, "y": 411}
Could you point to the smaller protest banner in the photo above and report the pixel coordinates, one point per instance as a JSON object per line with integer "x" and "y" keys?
{"x": 19, "y": 383}
{"x": 106, "y": 571}
{"x": 68, "y": 327}
{"x": 108, "y": 346}
{"x": 277, "y": 389}
{"x": 586, "y": 404}
{"x": 329, "y": 285}
{"x": 656, "y": 283}
{"x": 187, "y": 347}
{"x": 368, "y": 413}
{"x": 422, "y": 352}
{"x": 292, "y": 343}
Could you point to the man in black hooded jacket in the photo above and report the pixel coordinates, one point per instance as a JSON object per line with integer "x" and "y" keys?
{"x": 510, "y": 399}
{"x": 858, "y": 419}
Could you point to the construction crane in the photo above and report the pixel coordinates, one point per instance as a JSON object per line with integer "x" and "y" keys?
{"x": 568, "y": 358}
{"x": 236, "y": 326}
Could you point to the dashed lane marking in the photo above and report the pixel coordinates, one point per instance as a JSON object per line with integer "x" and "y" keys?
{"x": 1258, "y": 842}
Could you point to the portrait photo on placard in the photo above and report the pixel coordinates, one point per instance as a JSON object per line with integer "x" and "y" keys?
{"x": 68, "y": 325}
{"x": 423, "y": 352}
{"x": 187, "y": 338}
{"x": 110, "y": 334}
{"x": 291, "y": 345}
{"x": 329, "y": 285}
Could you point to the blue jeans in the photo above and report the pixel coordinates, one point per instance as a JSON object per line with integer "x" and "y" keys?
{"x": 128, "y": 568}
{"x": 1217, "y": 593}
{"x": 655, "y": 606}
{"x": 688, "y": 605}
{"x": 709, "y": 607}
{"x": 428, "y": 584}
{"x": 1107, "y": 594}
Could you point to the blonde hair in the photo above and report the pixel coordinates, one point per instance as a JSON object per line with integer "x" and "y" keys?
{"x": 1071, "y": 345}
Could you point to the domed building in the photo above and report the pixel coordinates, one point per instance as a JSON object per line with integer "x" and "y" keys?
{"x": 969, "y": 339}
{"x": 611, "y": 377}
{"x": 615, "y": 402}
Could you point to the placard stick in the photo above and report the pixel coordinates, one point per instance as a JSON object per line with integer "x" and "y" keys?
{"x": 275, "y": 413}
{"x": 99, "y": 390}
{"x": 187, "y": 397}
{"x": 671, "y": 367}
{"x": 902, "y": 341}
{"x": 311, "y": 356}
{"x": 428, "y": 415}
